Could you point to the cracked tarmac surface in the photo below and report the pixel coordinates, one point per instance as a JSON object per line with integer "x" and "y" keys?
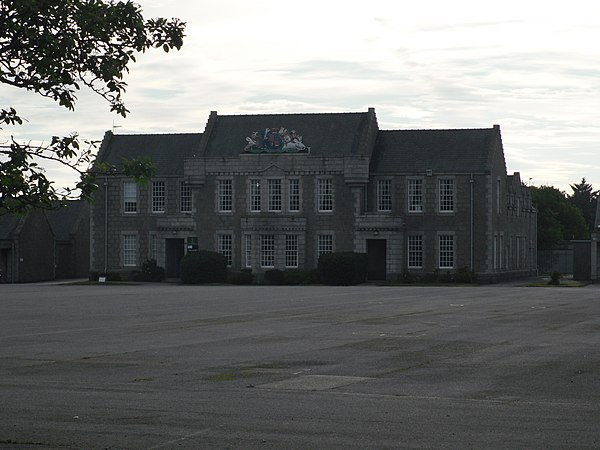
{"x": 160, "y": 366}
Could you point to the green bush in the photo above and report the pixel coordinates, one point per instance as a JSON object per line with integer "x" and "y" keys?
{"x": 245, "y": 276}
{"x": 343, "y": 268}
{"x": 464, "y": 275}
{"x": 300, "y": 276}
{"x": 274, "y": 276}
{"x": 150, "y": 272}
{"x": 555, "y": 278}
{"x": 203, "y": 267}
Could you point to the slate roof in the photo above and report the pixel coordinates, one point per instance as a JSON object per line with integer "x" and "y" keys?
{"x": 64, "y": 220}
{"x": 9, "y": 224}
{"x": 166, "y": 150}
{"x": 415, "y": 151}
{"x": 328, "y": 134}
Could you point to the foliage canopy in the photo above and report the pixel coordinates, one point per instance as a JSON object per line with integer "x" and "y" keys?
{"x": 54, "y": 48}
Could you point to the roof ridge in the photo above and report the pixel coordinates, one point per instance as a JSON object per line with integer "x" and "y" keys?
{"x": 438, "y": 129}
{"x": 294, "y": 114}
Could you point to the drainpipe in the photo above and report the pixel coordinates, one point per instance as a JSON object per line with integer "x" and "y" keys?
{"x": 105, "y": 225}
{"x": 472, "y": 182}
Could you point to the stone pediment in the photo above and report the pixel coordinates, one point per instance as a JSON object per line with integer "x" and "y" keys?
{"x": 273, "y": 171}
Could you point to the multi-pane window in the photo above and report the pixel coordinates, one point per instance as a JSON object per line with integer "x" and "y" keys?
{"x": 153, "y": 247}
{"x": 129, "y": 197}
{"x": 158, "y": 196}
{"x": 225, "y": 195}
{"x": 185, "y": 198}
{"x": 384, "y": 195}
{"x": 294, "y": 194}
{"x": 225, "y": 246}
{"x": 247, "y": 250}
{"x": 255, "y": 195}
{"x": 291, "y": 250}
{"x": 446, "y": 194}
{"x": 274, "y": 191}
{"x": 415, "y": 195}
{"x": 415, "y": 251}
{"x": 267, "y": 250}
{"x": 130, "y": 249}
{"x": 324, "y": 244}
{"x": 446, "y": 248}
{"x": 325, "y": 194}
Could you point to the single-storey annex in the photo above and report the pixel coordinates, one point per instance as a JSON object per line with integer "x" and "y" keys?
{"x": 278, "y": 190}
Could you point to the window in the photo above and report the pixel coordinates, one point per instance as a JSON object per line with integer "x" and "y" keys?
{"x": 274, "y": 190}
{"x": 255, "y": 195}
{"x": 158, "y": 196}
{"x": 415, "y": 195}
{"x": 225, "y": 246}
{"x": 153, "y": 247}
{"x": 291, "y": 250}
{"x": 129, "y": 197}
{"x": 446, "y": 251}
{"x": 185, "y": 198}
{"x": 130, "y": 249}
{"x": 384, "y": 195}
{"x": 325, "y": 194}
{"x": 294, "y": 194}
{"x": 324, "y": 244}
{"x": 247, "y": 250}
{"x": 415, "y": 251}
{"x": 446, "y": 192}
{"x": 225, "y": 195}
{"x": 267, "y": 250}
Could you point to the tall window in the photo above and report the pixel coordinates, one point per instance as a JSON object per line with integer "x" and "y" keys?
{"x": 185, "y": 198}
{"x": 274, "y": 190}
{"x": 294, "y": 194}
{"x": 153, "y": 247}
{"x": 158, "y": 196}
{"x": 129, "y": 197}
{"x": 225, "y": 246}
{"x": 415, "y": 251}
{"x": 446, "y": 251}
{"x": 291, "y": 250}
{"x": 267, "y": 250}
{"x": 255, "y": 195}
{"x": 225, "y": 195}
{"x": 324, "y": 244}
{"x": 247, "y": 250}
{"x": 130, "y": 249}
{"x": 415, "y": 195}
{"x": 325, "y": 194}
{"x": 384, "y": 195}
{"x": 446, "y": 194}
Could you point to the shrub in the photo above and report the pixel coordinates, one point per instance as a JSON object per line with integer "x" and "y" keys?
{"x": 555, "y": 278}
{"x": 343, "y": 268}
{"x": 203, "y": 267}
{"x": 300, "y": 276}
{"x": 274, "y": 276}
{"x": 245, "y": 276}
{"x": 150, "y": 272}
{"x": 464, "y": 275}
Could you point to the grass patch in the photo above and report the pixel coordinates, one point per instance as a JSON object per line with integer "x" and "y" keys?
{"x": 563, "y": 283}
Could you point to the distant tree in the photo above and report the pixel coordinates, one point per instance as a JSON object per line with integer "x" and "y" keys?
{"x": 52, "y": 48}
{"x": 557, "y": 218}
{"x": 584, "y": 197}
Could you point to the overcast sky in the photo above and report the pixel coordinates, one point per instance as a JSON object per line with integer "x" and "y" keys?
{"x": 533, "y": 67}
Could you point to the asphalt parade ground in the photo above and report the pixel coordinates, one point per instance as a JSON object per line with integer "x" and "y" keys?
{"x": 162, "y": 366}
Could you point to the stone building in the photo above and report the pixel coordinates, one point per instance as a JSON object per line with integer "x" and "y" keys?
{"x": 278, "y": 190}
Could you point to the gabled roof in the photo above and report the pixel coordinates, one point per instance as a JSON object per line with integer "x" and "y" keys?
{"x": 65, "y": 220}
{"x": 416, "y": 151}
{"x": 327, "y": 134}
{"x": 166, "y": 150}
{"x": 9, "y": 224}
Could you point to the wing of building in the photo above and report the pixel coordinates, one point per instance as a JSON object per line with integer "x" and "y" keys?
{"x": 278, "y": 190}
